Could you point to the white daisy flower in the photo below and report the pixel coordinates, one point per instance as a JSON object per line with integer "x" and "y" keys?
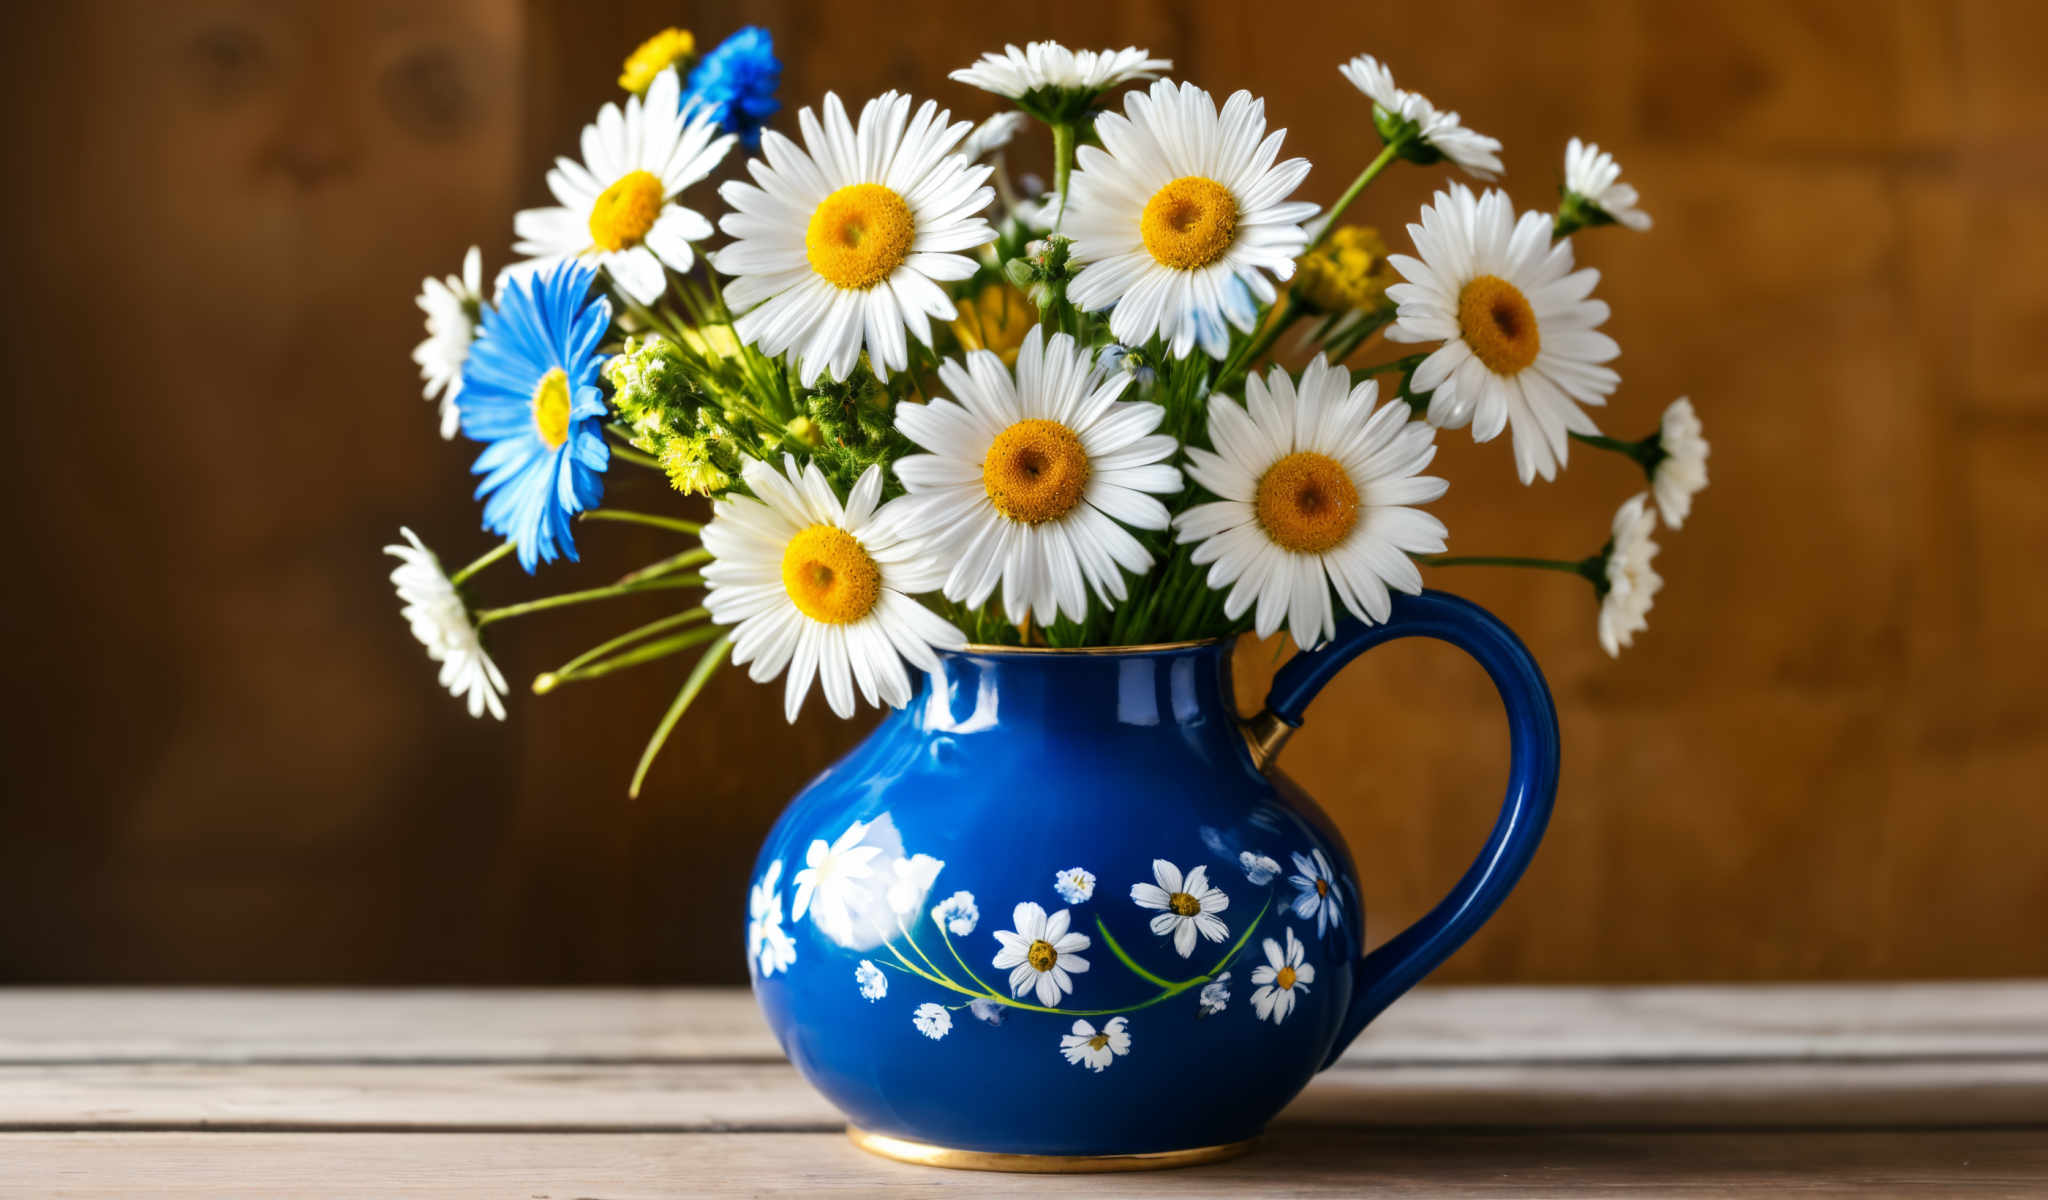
{"x": 845, "y": 242}
{"x": 957, "y": 914}
{"x": 1258, "y": 868}
{"x": 1029, "y": 475}
{"x": 1314, "y": 484}
{"x": 873, "y": 984}
{"x": 1215, "y": 996}
{"x": 1592, "y": 175}
{"x": 618, "y": 206}
{"x": 768, "y": 945}
{"x": 829, "y": 886}
{"x": 911, "y": 881}
{"x": 1442, "y": 132}
{"x": 985, "y": 1009}
{"x": 1280, "y": 978}
{"x": 932, "y": 1020}
{"x": 1042, "y": 954}
{"x": 1180, "y": 217}
{"x": 1631, "y": 582}
{"x": 1315, "y": 886}
{"x": 992, "y": 135}
{"x": 440, "y": 621}
{"x": 1681, "y": 473}
{"x": 1521, "y": 343}
{"x": 452, "y": 306}
{"x": 1085, "y": 1047}
{"x": 1190, "y": 905}
{"x": 1075, "y": 884}
{"x": 1061, "y": 79}
{"x": 822, "y": 588}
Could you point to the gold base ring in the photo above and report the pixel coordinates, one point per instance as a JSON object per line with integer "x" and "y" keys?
{"x": 927, "y": 1155}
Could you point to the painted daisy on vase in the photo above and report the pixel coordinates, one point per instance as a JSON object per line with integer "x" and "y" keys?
{"x": 1031, "y": 479}
{"x": 1086, "y": 1046}
{"x": 842, "y": 245}
{"x": 1214, "y": 996}
{"x": 957, "y": 914}
{"x": 1041, "y": 953}
{"x": 1187, "y": 902}
{"x": 1281, "y": 979}
{"x": 1259, "y": 869}
{"x": 1315, "y": 487}
{"x": 1075, "y": 885}
{"x": 830, "y": 883}
{"x": 932, "y": 1020}
{"x": 530, "y": 390}
{"x": 770, "y": 948}
{"x": 454, "y": 306}
{"x": 619, "y": 207}
{"x": 1181, "y": 218}
{"x": 1315, "y": 888}
{"x": 1520, "y": 331}
{"x": 872, "y": 983}
{"x": 822, "y": 588}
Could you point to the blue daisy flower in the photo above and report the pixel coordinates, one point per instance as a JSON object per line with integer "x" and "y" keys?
{"x": 529, "y": 388}
{"x": 737, "y": 82}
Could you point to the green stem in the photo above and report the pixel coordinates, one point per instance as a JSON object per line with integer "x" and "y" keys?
{"x": 1500, "y": 560}
{"x": 672, "y": 524}
{"x": 1241, "y": 363}
{"x": 1110, "y": 941}
{"x": 700, "y": 675}
{"x": 1062, "y": 165}
{"x": 674, "y": 562}
{"x": 628, "y": 454}
{"x": 920, "y": 949}
{"x": 483, "y": 560}
{"x": 1409, "y": 363}
{"x": 488, "y": 615}
{"x": 628, "y": 638}
{"x": 1242, "y": 938}
{"x": 1372, "y": 169}
{"x": 638, "y": 655}
{"x": 944, "y": 937}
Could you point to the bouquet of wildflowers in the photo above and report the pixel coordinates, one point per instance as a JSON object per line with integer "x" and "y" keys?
{"x": 935, "y": 403}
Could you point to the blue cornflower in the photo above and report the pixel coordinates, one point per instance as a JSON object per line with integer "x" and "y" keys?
{"x": 529, "y": 388}
{"x": 737, "y": 82}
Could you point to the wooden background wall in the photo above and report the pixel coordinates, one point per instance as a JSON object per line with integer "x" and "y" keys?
{"x": 225, "y": 760}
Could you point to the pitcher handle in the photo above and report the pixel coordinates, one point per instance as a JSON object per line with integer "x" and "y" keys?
{"x": 1379, "y": 978}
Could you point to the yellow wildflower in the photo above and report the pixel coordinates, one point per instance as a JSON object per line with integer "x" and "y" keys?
{"x": 669, "y": 48}
{"x": 996, "y": 319}
{"x": 1346, "y": 273}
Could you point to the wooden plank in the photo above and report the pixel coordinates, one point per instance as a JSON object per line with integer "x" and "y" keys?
{"x": 1462, "y": 1024}
{"x": 1296, "y": 1163}
{"x": 748, "y": 1096}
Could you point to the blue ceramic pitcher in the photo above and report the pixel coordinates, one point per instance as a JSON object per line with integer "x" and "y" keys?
{"x": 1060, "y": 913}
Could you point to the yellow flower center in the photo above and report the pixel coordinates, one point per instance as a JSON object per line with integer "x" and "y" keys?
{"x": 1035, "y": 471}
{"x": 1496, "y": 321}
{"x": 1184, "y": 904}
{"x": 829, "y": 576}
{"x": 1348, "y": 272}
{"x": 996, "y": 320}
{"x": 1285, "y": 978}
{"x": 1041, "y": 956}
{"x": 551, "y": 407}
{"x": 1098, "y": 1041}
{"x": 650, "y": 58}
{"x": 859, "y": 235}
{"x": 625, "y": 211}
{"x": 1322, "y": 888}
{"x": 1307, "y": 503}
{"x": 1189, "y": 223}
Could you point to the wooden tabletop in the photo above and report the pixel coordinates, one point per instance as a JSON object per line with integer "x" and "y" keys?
{"x": 1936, "y": 1089}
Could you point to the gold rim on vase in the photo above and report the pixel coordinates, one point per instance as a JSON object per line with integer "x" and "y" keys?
{"x": 926, "y": 1155}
